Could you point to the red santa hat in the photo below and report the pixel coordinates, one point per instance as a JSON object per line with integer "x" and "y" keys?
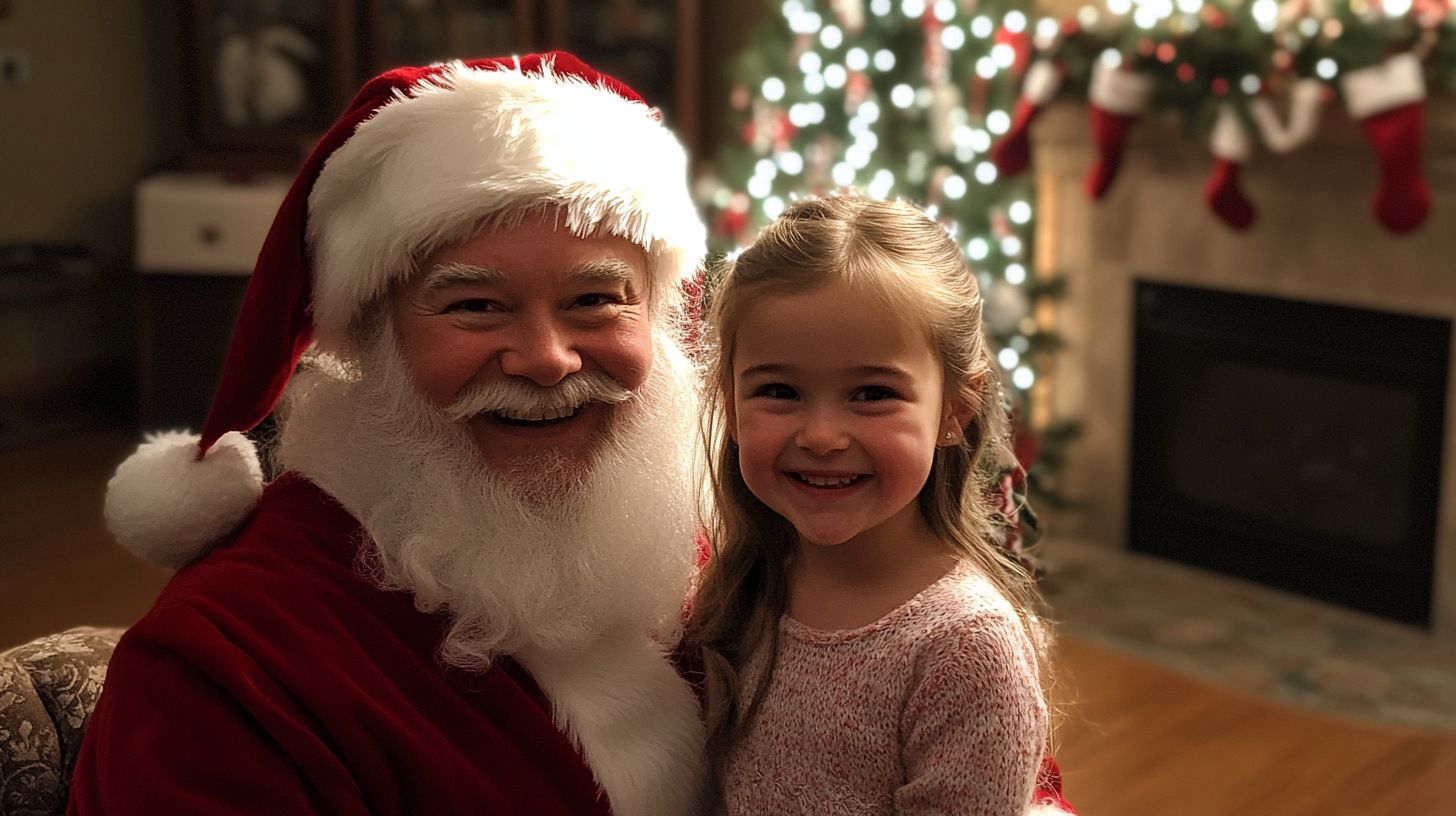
{"x": 421, "y": 157}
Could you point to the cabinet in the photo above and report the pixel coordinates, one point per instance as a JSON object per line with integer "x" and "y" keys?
{"x": 255, "y": 58}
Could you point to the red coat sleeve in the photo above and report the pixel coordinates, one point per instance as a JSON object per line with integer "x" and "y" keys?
{"x": 194, "y": 725}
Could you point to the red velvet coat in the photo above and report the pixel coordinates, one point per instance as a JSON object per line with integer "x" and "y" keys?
{"x": 270, "y": 678}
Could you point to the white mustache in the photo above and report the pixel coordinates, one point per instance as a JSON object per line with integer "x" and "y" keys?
{"x": 520, "y": 398}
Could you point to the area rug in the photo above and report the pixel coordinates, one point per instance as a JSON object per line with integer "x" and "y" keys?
{"x": 1251, "y": 638}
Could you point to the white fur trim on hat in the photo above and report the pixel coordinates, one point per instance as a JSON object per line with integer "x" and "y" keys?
{"x": 1393, "y": 83}
{"x": 426, "y": 169}
{"x": 1125, "y": 93}
{"x": 168, "y": 508}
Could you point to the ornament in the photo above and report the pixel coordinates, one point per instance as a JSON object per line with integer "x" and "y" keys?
{"x": 945, "y": 101}
{"x": 1006, "y": 305}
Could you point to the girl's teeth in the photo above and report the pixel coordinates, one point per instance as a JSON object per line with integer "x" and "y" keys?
{"x": 818, "y": 481}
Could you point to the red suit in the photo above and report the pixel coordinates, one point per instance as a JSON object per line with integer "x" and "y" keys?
{"x": 271, "y": 678}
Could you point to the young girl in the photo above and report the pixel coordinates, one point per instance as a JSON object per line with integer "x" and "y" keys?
{"x": 868, "y": 649}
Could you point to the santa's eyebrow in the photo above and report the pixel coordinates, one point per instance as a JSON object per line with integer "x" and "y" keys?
{"x": 453, "y": 273}
{"x": 604, "y": 269}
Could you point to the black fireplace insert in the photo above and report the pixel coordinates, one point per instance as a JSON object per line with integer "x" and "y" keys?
{"x": 1290, "y": 443}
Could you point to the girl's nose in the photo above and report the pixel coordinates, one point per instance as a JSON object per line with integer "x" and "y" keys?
{"x": 541, "y": 351}
{"x": 821, "y": 433}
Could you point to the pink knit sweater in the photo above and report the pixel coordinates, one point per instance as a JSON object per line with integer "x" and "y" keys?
{"x": 934, "y": 708}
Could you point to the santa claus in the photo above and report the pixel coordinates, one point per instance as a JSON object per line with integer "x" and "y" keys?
{"x": 460, "y": 594}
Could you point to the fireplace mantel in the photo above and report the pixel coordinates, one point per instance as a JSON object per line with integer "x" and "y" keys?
{"x": 1315, "y": 239}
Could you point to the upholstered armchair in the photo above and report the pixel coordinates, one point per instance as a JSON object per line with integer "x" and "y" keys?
{"x": 48, "y": 688}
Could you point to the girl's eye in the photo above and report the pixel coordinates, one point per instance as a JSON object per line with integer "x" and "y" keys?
{"x": 875, "y": 393}
{"x": 777, "y": 391}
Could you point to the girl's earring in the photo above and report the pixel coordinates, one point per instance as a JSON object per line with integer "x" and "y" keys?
{"x": 949, "y": 436}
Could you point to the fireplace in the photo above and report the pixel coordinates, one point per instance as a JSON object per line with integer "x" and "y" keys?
{"x": 1291, "y": 443}
{"x": 1314, "y": 247}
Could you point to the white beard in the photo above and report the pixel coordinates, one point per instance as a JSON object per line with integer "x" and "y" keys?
{"x": 604, "y": 550}
{"x": 583, "y": 583}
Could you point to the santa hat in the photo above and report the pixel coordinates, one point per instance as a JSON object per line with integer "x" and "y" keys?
{"x": 419, "y": 160}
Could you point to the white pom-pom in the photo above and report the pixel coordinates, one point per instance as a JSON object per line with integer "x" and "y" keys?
{"x": 169, "y": 509}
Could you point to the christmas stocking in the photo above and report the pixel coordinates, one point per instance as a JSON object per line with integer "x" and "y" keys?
{"x": 1118, "y": 98}
{"x": 1389, "y": 101}
{"x": 1231, "y": 147}
{"x": 1012, "y": 154}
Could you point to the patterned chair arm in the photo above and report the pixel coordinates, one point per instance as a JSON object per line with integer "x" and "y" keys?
{"x": 48, "y": 689}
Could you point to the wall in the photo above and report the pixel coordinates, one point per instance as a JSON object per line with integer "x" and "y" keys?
{"x": 77, "y": 136}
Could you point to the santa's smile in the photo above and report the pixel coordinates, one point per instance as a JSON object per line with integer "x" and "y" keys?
{"x": 540, "y": 417}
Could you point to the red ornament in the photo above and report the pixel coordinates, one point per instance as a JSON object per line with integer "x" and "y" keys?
{"x": 740, "y": 98}
{"x": 1146, "y": 47}
{"x": 1070, "y": 26}
{"x": 1213, "y": 16}
{"x": 1166, "y": 52}
{"x": 1185, "y": 72}
{"x": 1283, "y": 60}
{"x": 1220, "y": 86}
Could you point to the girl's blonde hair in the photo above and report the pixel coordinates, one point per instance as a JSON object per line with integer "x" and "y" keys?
{"x": 892, "y": 252}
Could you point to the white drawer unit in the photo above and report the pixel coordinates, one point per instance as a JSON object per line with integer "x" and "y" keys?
{"x": 200, "y": 223}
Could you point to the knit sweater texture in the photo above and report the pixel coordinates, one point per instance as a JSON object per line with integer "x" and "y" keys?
{"x": 934, "y": 708}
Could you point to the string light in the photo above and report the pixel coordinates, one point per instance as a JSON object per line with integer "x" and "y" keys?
{"x": 998, "y": 122}
{"x": 945, "y": 10}
{"x": 982, "y": 27}
{"x": 1023, "y": 378}
{"x": 1326, "y": 68}
{"x": 1266, "y": 14}
{"x": 810, "y": 62}
{"x": 881, "y": 185}
{"x": 1008, "y": 358}
{"x": 790, "y": 162}
{"x": 884, "y": 59}
{"x": 772, "y": 89}
{"x": 1015, "y": 273}
{"x": 912, "y": 8}
{"x": 842, "y": 174}
{"x": 814, "y": 84}
{"x": 953, "y": 37}
{"x": 773, "y": 207}
{"x": 1019, "y": 212}
{"x": 835, "y": 76}
{"x": 880, "y": 7}
{"x": 1020, "y": 343}
{"x": 1004, "y": 55}
{"x": 954, "y": 187}
{"x": 978, "y": 249}
{"x": 1015, "y": 22}
{"x": 985, "y": 172}
{"x": 1010, "y": 245}
{"x": 857, "y": 59}
{"x": 902, "y": 96}
{"x": 831, "y": 36}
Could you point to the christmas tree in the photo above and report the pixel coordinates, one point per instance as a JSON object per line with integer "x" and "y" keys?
{"x": 899, "y": 99}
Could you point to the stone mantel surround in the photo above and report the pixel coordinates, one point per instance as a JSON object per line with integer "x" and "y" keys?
{"x": 1315, "y": 239}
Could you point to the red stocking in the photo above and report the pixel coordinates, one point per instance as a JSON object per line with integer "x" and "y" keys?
{"x": 1402, "y": 199}
{"x": 1389, "y": 101}
{"x": 1117, "y": 99}
{"x": 1231, "y": 148}
{"x": 1012, "y": 154}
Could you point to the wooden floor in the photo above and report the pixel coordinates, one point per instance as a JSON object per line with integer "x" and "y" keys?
{"x": 1136, "y": 740}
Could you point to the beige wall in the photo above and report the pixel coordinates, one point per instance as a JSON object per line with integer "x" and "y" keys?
{"x": 78, "y": 135}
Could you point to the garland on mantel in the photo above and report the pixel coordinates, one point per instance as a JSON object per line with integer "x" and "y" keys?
{"x": 1221, "y": 65}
